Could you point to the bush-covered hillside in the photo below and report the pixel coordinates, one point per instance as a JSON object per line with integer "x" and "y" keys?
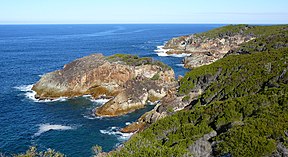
{"x": 244, "y": 100}
{"x": 231, "y": 30}
{"x": 134, "y": 60}
{"x": 33, "y": 152}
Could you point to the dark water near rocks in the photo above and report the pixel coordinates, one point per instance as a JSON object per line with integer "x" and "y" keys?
{"x": 28, "y": 51}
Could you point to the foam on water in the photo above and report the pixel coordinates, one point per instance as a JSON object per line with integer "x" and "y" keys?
{"x": 153, "y": 103}
{"x": 87, "y": 96}
{"x": 90, "y": 114}
{"x": 24, "y": 88}
{"x": 127, "y": 123}
{"x": 100, "y": 101}
{"x": 30, "y": 94}
{"x": 114, "y": 131}
{"x": 47, "y": 127}
{"x": 180, "y": 65}
{"x": 161, "y": 52}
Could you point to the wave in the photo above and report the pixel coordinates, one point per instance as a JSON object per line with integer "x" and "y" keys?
{"x": 47, "y": 127}
{"x": 180, "y": 65}
{"x": 114, "y": 131}
{"x": 30, "y": 94}
{"x": 92, "y": 116}
{"x": 87, "y": 96}
{"x": 161, "y": 52}
{"x": 100, "y": 101}
{"x": 127, "y": 123}
{"x": 91, "y": 110}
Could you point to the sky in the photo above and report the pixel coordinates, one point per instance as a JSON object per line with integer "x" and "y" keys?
{"x": 144, "y": 11}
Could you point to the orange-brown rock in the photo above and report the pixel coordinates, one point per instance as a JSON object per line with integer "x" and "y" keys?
{"x": 134, "y": 127}
{"x": 128, "y": 80}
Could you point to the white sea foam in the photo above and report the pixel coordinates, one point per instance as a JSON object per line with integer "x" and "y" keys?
{"x": 127, "y": 123}
{"x": 114, "y": 131}
{"x": 92, "y": 116}
{"x": 30, "y": 94}
{"x": 180, "y": 65}
{"x": 161, "y": 52}
{"x": 153, "y": 103}
{"x": 100, "y": 101}
{"x": 47, "y": 127}
{"x": 24, "y": 88}
{"x": 87, "y": 96}
{"x": 182, "y": 55}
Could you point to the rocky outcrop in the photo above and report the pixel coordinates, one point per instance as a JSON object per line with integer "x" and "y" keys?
{"x": 202, "y": 147}
{"x": 167, "y": 106}
{"x": 205, "y": 48}
{"x": 281, "y": 151}
{"x": 134, "y": 127}
{"x": 128, "y": 80}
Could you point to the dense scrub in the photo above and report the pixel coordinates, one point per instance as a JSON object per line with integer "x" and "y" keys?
{"x": 231, "y": 30}
{"x": 33, "y": 152}
{"x": 256, "y": 123}
{"x": 244, "y": 99}
{"x": 136, "y": 61}
{"x": 237, "y": 76}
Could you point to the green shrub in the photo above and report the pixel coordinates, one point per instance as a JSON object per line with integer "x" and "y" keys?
{"x": 32, "y": 152}
{"x": 245, "y": 100}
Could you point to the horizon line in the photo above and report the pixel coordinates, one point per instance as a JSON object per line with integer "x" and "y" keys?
{"x": 148, "y": 23}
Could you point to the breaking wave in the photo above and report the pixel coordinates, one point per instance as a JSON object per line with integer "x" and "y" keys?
{"x": 114, "y": 131}
{"x": 161, "y": 52}
{"x": 47, "y": 127}
{"x": 30, "y": 94}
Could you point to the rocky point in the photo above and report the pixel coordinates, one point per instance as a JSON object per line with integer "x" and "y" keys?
{"x": 206, "y": 48}
{"x": 128, "y": 81}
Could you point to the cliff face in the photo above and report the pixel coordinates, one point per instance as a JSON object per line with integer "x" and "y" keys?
{"x": 237, "y": 106}
{"x": 206, "y": 48}
{"x": 130, "y": 82}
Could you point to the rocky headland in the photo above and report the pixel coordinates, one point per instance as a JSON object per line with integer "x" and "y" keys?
{"x": 206, "y": 48}
{"x": 233, "y": 107}
{"x": 128, "y": 81}
{"x": 236, "y": 106}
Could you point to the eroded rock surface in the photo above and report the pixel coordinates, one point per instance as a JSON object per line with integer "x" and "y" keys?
{"x": 207, "y": 48}
{"x": 128, "y": 80}
{"x": 202, "y": 147}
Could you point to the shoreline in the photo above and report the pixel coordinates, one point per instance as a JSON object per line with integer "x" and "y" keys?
{"x": 161, "y": 52}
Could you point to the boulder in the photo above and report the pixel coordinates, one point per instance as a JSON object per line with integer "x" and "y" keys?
{"x": 202, "y": 147}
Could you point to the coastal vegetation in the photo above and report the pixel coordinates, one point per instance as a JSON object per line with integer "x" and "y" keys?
{"x": 134, "y": 60}
{"x": 254, "y": 30}
{"x": 244, "y": 100}
{"x": 241, "y": 111}
{"x": 33, "y": 152}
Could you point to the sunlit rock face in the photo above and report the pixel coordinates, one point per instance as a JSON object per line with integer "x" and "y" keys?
{"x": 129, "y": 81}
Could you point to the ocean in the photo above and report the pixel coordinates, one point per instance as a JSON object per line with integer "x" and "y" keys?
{"x": 68, "y": 125}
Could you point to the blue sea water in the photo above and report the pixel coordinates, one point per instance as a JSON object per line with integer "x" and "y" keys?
{"x": 68, "y": 126}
